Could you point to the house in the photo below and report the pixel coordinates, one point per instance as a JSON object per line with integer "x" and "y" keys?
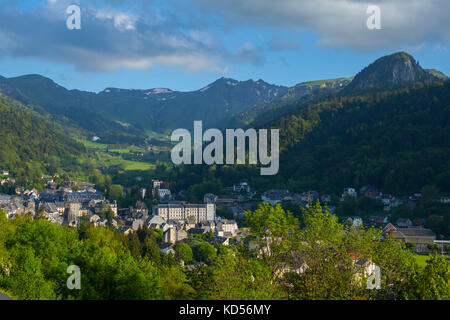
{"x": 363, "y": 268}
{"x": 174, "y": 235}
{"x": 167, "y": 248}
{"x": 241, "y": 187}
{"x": 415, "y": 196}
{"x": 275, "y": 196}
{"x": 227, "y": 199}
{"x": 61, "y": 207}
{"x": 207, "y": 226}
{"x": 209, "y": 198}
{"x": 155, "y": 221}
{"x": 349, "y": 192}
{"x": 226, "y": 227}
{"x": 378, "y": 220}
{"x": 94, "y": 220}
{"x": 138, "y": 223}
{"x": 388, "y": 201}
{"x": 355, "y": 221}
{"x": 445, "y": 199}
{"x": 198, "y": 231}
{"x": 125, "y": 230}
{"x": 220, "y": 240}
{"x": 369, "y": 191}
{"x": 156, "y": 184}
{"x": 310, "y": 196}
{"x": 164, "y": 193}
{"x": 418, "y": 235}
{"x": 50, "y": 209}
{"x": 404, "y": 223}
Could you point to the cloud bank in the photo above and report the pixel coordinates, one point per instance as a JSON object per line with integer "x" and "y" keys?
{"x": 342, "y": 23}
{"x": 191, "y": 33}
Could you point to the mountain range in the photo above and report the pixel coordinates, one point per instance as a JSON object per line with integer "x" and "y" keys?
{"x": 317, "y": 121}
{"x": 123, "y": 115}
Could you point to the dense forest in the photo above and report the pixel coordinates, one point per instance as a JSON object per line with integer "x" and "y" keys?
{"x": 396, "y": 140}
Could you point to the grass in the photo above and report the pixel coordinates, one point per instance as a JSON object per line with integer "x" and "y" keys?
{"x": 93, "y": 145}
{"x": 130, "y": 149}
{"x": 135, "y": 165}
{"x": 422, "y": 259}
{"x": 320, "y": 82}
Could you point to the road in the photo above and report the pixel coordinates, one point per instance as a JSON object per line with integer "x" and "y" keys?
{"x": 4, "y": 297}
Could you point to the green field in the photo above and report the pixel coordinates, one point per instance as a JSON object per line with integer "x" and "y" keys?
{"x": 130, "y": 149}
{"x": 422, "y": 260}
{"x": 92, "y": 145}
{"x": 106, "y": 159}
{"x": 135, "y": 165}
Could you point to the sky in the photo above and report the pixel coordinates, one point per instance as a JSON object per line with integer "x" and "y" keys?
{"x": 186, "y": 44}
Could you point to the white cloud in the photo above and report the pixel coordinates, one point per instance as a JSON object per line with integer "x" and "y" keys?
{"x": 342, "y": 23}
{"x": 122, "y": 21}
{"x": 110, "y": 39}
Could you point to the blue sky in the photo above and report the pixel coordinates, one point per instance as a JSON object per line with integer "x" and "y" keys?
{"x": 186, "y": 44}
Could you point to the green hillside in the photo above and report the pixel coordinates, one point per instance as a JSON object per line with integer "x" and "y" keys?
{"x": 28, "y": 143}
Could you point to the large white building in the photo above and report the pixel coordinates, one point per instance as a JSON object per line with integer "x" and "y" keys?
{"x": 200, "y": 212}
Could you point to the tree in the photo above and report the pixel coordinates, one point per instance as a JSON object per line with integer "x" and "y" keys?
{"x": 115, "y": 192}
{"x": 275, "y": 233}
{"x": 183, "y": 252}
{"x": 331, "y": 260}
{"x": 429, "y": 193}
{"x": 433, "y": 247}
{"x": 235, "y": 276}
{"x": 206, "y": 253}
{"x": 432, "y": 283}
{"x": 411, "y": 246}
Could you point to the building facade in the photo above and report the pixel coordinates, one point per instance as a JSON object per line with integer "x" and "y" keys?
{"x": 198, "y": 212}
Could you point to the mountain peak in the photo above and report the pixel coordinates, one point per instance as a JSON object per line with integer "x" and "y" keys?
{"x": 388, "y": 71}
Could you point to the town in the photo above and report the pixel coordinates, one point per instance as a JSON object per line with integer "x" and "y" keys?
{"x": 70, "y": 202}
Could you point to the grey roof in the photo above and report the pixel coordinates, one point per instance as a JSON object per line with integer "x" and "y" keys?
{"x": 50, "y": 207}
{"x": 219, "y": 240}
{"x": 155, "y": 219}
{"x": 416, "y": 232}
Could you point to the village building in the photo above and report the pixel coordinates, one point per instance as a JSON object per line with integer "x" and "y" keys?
{"x": 420, "y": 236}
{"x": 196, "y": 212}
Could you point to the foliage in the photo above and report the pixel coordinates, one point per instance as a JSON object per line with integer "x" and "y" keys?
{"x": 36, "y": 254}
{"x": 184, "y": 252}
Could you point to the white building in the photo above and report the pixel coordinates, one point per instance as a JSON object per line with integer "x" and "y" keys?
{"x": 199, "y": 212}
{"x": 349, "y": 192}
{"x": 164, "y": 193}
